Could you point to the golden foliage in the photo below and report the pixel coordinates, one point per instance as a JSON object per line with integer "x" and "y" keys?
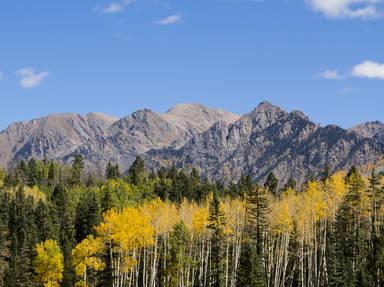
{"x": 128, "y": 230}
{"x": 318, "y": 202}
{"x": 200, "y": 220}
{"x": 49, "y": 263}
{"x": 234, "y": 210}
{"x": 282, "y": 212}
{"x": 162, "y": 216}
{"x": 86, "y": 255}
{"x": 35, "y": 193}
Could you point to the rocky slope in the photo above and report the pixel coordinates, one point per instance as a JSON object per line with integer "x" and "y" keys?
{"x": 370, "y": 130}
{"x": 100, "y": 138}
{"x": 270, "y": 139}
{"x": 196, "y": 118}
{"x": 52, "y": 137}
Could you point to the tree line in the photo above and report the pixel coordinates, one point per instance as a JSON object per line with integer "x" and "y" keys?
{"x": 62, "y": 226}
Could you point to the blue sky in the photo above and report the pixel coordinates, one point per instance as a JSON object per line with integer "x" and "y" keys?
{"x": 324, "y": 57}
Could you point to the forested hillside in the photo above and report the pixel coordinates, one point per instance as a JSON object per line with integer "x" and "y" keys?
{"x": 61, "y": 226}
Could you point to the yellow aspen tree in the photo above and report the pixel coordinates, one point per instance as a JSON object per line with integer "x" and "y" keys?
{"x": 125, "y": 234}
{"x": 86, "y": 256}
{"x": 49, "y": 264}
{"x": 162, "y": 217}
{"x": 234, "y": 210}
{"x": 335, "y": 190}
{"x": 35, "y": 193}
{"x": 201, "y": 234}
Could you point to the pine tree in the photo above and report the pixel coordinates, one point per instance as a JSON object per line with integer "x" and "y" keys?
{"x": 178, "y": 241}
{"x": 258, "y": 209}
{"x": 293, "y": 268}
{"x": 65, "y": 224}
{"x": 162, "y": 189}
{"x": 252, "y": 269}
{"x": 106, "y": 201}
{"x": 112, "y": 171}
{"x": 77, "y": 170}
{"x": 245, "y": 274}
{"x": 245, "y": 185}
{"x": 326, "y": 174}
{"x": 272, "y": 184}
{"x": 4, "y": 234}
{"x": 52, "y": 174}
{"x": 350, "y": 242}
{"x": 341, "y": 269}
{"x": 23, "y": 238}
{"x": 45, "y": 225}
{"x": 290, "y": 184}
{"x": 33, "y": 174}
{"x": 3, "y": 250}
{"x": 216, "y": 225}
{"x": 137, "y": 172}
{"x": 375, "y": 262}
{"x": 87, "y": 216}
{"x": 22, "y": 173}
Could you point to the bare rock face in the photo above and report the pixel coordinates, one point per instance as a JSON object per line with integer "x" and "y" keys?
{"x": 196, "y": 118}
{"x": 370, "y": 130}
{"x": 269, "y": 139}
{"x": 50, "y": 137}
{"x": 101, "y": 138}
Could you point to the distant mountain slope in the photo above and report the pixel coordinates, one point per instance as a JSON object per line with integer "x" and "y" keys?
{"x": 53, "y": 136}
{"x": 196, "y": 118}
{"x": 370, "y": 130}
{"x": 100, "y": 138}
{"x": 222, "y": 145}
{"x": 269, "y": 139}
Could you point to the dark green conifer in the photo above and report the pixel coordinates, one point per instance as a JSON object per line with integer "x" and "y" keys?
{"x": 137, "y": 173}
{"x": 216, "y": 225}
{"x": 87, "y": 216}
{"x": 272, "y": 184}
{"x": 77, "y": 170}
{"x": 178, "y": 241}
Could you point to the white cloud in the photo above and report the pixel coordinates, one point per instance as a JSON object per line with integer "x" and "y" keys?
{"x": 330, "y": 75}
{"x": 30, "y": 79}
{"x": 347, "y": 8}
{"x": 369, "y": 69}
{"x": 113, "y": 7}
{"x": 173, "y": 19}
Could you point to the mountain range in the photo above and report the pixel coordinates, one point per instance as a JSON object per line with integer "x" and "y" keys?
{"x": 222, "y": 145}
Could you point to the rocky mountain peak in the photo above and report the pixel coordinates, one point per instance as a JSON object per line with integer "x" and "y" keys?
{"x": 100, "y": 117}
{"x": 269, "y": 139}
{"x": 369, "y": 129}
{"x": 300, "y": 114}
{"x": 143, "y": 114}
{"x": 196, "y": 118}
{"x": 184, "y": 107}
{"x": 266, "y": 109}
{"x": 264, "y": 115}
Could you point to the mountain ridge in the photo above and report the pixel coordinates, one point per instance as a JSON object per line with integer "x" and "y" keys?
{"x": 221, "y": 144}
{"x": 269, "y": 139}
{"x": 99, "y": 137}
